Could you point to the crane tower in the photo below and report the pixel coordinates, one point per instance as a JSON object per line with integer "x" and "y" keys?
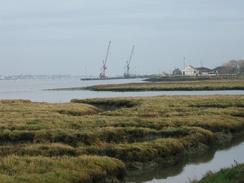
{"x": 105, "y": 61}
{"x": 127, "y": 72}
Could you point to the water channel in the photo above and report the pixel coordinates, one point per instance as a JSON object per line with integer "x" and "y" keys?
{"x": 195, "y": 168}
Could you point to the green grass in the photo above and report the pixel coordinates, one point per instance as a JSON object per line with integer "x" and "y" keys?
{"x": 171, "y": 86}
{"x": 23, "y": 169}
{"x": 230, "y": 175}
{"x": 119, "y": 132}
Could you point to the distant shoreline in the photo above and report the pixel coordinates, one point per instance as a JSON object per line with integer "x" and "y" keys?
{"x": 165, "y": 86}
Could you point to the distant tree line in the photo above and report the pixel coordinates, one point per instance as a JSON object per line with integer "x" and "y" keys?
{"x": 232, "y": 67}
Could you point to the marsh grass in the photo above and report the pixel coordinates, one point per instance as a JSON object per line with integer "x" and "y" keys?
{"x": 117, "y": 131}
{"x": 109, "y": 104}
{"x": 172, "y": 86}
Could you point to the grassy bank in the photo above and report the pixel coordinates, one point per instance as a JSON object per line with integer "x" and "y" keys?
{"x": 230, "y": 175}
{"x": 111, "y": 133}
{"x": 171, "y": 86}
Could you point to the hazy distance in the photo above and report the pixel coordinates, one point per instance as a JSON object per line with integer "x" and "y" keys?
{"x": 70, "y": 36}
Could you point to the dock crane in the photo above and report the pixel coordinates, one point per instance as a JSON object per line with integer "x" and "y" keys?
{"x": 127, "y": 72}
{"x": 105, "y": 61}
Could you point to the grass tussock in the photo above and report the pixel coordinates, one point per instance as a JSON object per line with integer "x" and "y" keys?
{"x": 23, "y": 169}
{"x": 230, "y": 175}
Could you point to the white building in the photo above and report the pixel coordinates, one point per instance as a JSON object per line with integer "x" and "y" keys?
{"x": 199, "y": 71}
{"x": 190, "y": 71}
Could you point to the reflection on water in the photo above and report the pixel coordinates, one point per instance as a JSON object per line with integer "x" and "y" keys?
{"x": 34, "y": 90}
{"x": 196, "y": 168}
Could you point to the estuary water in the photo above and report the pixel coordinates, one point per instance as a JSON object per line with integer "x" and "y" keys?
{"x": 35, "y": 90}
{"x": 195, "y": 169}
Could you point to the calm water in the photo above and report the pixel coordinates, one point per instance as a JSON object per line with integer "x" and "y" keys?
{"x": 35, "y": 90}
{"x": 185, "y": 173}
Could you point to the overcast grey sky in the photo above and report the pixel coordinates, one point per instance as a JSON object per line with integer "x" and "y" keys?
{"x": 70, "y": 36}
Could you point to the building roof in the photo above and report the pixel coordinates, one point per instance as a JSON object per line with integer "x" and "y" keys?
{"x": 203, "y": 69}
{"x": 219, "y": 68}
{"x": 189, "y": 66}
